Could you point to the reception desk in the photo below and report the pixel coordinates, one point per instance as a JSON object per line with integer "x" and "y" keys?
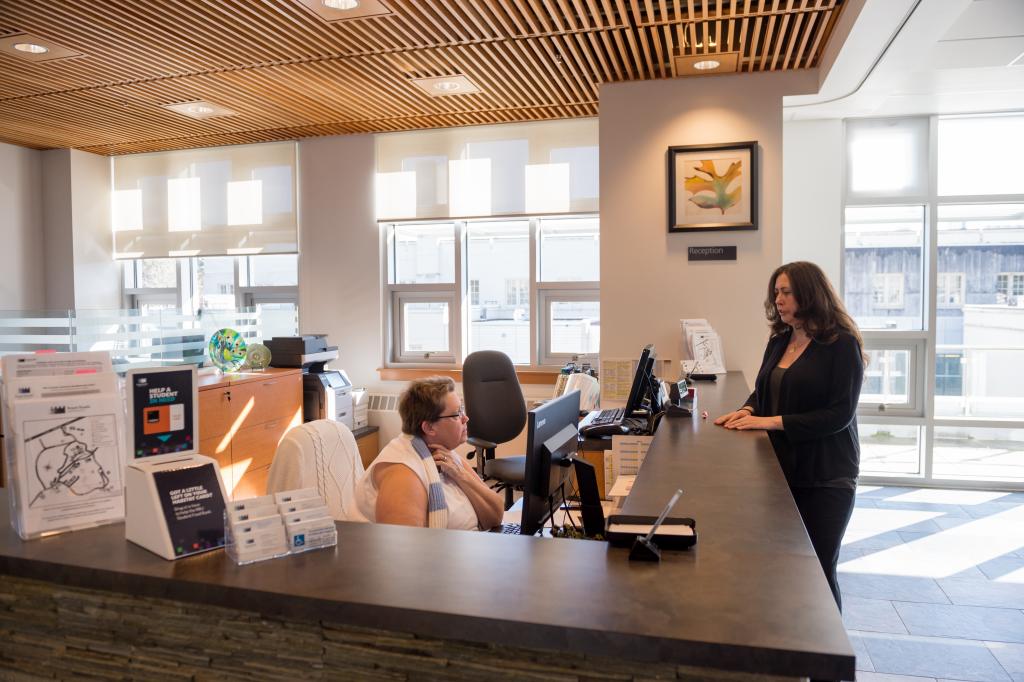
{"x": 748, "y": 602}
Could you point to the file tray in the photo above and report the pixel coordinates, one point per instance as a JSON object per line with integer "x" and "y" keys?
{"x": 674, "y": 533}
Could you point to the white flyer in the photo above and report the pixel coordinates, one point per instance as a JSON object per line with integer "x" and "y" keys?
{"x": 65, "y": 460}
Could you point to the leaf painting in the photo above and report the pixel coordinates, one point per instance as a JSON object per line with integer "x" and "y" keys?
{"x": 708, "y": 189}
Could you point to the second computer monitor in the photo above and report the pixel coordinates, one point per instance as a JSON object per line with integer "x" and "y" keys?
{"x": 551, "y": 439}
{"x": 644, "y": 384}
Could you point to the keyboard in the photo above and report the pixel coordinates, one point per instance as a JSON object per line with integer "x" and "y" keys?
{"x": 608, "y": 417}
{"x": 511, "y": 529}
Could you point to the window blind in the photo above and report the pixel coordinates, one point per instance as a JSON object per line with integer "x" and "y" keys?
{"x": 219, "y": 201}
{"x": 515, "y": 169}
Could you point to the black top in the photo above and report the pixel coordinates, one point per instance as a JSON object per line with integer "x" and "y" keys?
{"x": 774, "y": 383}
{"x": 817, "y": 399}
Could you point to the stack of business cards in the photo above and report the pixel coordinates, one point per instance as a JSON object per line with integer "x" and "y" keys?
{"x": 255, "y": 530}
{"x": 307, "y": 522}
{"x": 271, "y": 526}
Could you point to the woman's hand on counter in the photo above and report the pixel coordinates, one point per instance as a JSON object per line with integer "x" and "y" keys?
{"x": 748, "y": 422}
{"x": 729, "y": 418}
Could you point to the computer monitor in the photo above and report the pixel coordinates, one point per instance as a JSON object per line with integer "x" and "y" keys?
{"x": 552, "y": 438}
{"x": 645, "y": 384}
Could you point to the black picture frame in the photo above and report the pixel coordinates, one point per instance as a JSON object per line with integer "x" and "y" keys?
{"x": 690, "y": 161}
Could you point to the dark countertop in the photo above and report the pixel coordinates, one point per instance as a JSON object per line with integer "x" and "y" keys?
{"x": 749, "y": 597}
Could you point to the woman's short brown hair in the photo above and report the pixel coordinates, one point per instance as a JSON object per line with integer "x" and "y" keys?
{"x": 423, "y": 401}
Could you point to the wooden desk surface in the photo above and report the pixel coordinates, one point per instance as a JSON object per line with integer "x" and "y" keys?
{"x": 749, "y": 597}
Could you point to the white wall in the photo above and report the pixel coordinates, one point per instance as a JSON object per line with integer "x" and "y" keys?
{"x": 21, "y": 229}
{"x": 58, "y": 237}
{"x": 647, "y": 284}
{"x": 97, "y": 275}
{"x": 812, "y": 173}
{"x": 339, "y": 260}
{"x": 80, "y": 270}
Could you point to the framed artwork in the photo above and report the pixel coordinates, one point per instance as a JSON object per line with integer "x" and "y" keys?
{"x": 712, "y": 187}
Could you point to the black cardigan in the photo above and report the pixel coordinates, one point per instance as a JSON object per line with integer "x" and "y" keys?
{"x": 818, "y": 398}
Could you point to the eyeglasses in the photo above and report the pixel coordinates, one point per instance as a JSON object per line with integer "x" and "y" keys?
{"x": 458, "y": 415}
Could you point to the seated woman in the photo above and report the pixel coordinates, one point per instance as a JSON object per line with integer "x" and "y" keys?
{"x": 417, "y": 479}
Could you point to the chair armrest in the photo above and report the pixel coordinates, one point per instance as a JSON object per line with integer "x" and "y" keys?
{"x": 481, "y": 444}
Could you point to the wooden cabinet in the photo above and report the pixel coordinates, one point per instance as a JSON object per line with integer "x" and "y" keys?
{"x": 368, "y": 440}
{"x": 242, "y": 418}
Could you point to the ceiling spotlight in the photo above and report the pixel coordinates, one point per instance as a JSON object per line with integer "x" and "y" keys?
{"x": 31, "y": 48}
{"x": 341, "y": 5}
{"x": 447, "y": 86}
{"x": 707, "y": 65}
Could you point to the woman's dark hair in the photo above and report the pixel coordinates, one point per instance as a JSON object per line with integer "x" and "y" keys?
{"x": 423, "y": 401}
{"x": 818, "y": 305}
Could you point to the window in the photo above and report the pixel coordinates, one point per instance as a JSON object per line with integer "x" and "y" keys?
{"x": 218, "y": 284}
{"x": 949, "y": 289}
{"x": 887, "y": 290}
{"x": 511, "y": 301}
{"x": 517, "y": 292}
{"x": 933, "y": 273}
{"x": 883, "y": 266}
{"x": 1010, "y": 284}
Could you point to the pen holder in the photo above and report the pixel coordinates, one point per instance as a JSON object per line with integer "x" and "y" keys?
{"x": 644, "y": 550}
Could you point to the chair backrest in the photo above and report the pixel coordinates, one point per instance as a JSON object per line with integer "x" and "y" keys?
{"x": 320, "y": 454}
{"x": 494, "y": 401}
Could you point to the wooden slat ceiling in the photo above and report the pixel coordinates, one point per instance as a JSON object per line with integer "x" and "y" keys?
{"x": 289, "y": 74}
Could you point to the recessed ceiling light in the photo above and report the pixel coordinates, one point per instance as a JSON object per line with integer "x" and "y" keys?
{"x": 199, "y": 109}
{"x": 441, "y": 86}
{"x": 346, "y": 10}
{"x": 31, "y": 48}
{"x": 34, "y": 48}
{"x": 706, "y": 65}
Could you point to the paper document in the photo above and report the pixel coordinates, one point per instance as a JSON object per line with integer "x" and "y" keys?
{"x": 622, "y": 486}
{"x": 616, "y": 379}
{"x": 624, "y": 459}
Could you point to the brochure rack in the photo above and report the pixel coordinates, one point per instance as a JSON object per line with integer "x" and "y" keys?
{"x": 64, "y": 420}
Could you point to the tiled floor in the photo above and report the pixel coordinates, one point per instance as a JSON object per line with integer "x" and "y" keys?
{"x": 933, "y": 585}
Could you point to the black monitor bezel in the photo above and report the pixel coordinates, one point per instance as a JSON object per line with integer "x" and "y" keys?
{"x": 644, "y": 383}
{"x": 543, "y": 422}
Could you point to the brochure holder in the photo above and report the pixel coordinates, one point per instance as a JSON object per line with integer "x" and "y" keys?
{"x": 175, "y": 496}
{"x": 175, "y": 508}
{"x": 64, "y": 424}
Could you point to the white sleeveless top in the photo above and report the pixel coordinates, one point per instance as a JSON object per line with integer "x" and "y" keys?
{"x": 363, "y": 505}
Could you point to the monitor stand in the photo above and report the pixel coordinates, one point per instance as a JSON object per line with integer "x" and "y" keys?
{"x": 590, "y": 499}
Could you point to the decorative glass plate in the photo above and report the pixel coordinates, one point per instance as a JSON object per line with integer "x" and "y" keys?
{"x": 258, "y": 356}
{"x": 227, "y": 350}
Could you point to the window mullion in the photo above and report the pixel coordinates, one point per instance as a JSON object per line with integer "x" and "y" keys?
{"x": 536, "y": 323}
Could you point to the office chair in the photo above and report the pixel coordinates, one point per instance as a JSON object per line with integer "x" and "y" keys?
{"x": 321, "y": 454}
{"x": 497, "y": 414}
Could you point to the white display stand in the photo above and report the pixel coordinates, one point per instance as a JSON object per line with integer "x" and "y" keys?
{"x": 174, "y": 496}
{"x": 64, "y": 425}
{"x": 175, "y": 507}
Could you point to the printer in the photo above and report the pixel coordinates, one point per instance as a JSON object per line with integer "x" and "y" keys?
{"x": 326, "y": 393}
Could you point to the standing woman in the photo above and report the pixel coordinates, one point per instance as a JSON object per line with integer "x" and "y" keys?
{"x": 805, "y": 397}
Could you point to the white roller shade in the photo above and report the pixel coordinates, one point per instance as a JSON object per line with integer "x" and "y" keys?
{"x": 515, "y": 169}
{"x": 219, "y": 201}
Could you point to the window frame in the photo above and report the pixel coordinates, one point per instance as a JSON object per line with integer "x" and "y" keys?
{"x": 559, "y": 292}
{"x": 923, "y": 343}
{"x": 459, "y": 294}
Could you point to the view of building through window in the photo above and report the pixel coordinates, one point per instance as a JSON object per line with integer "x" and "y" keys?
{"x": 500, "y": 293}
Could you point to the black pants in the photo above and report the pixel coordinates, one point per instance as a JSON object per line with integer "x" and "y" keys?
{"x": 826, "y": 512}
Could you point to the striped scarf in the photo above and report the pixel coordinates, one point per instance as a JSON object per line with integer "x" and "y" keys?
{"x": 437, "y": 508}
